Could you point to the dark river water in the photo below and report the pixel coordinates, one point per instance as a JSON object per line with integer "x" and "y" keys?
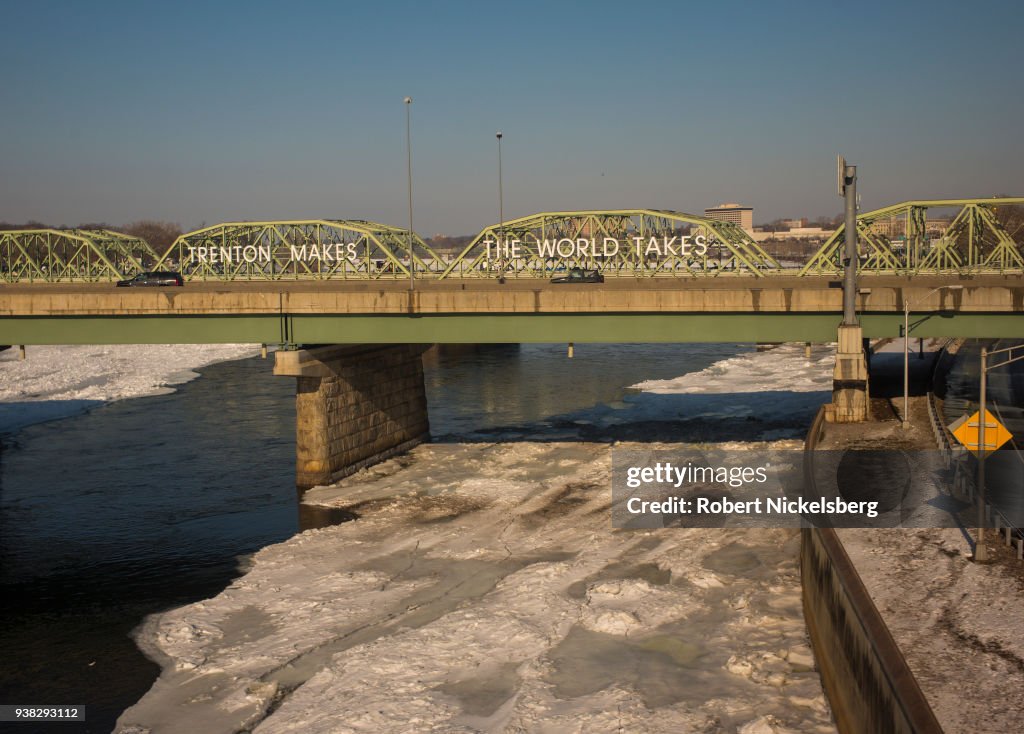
{"x": 146, "y": 504}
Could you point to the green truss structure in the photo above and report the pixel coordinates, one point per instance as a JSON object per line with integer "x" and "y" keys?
{"x": 314, "y": 249}
{"x": 962, "y": 236}
{"x": 902, "y": 239}
{"x": 648, "y": 243}
{"x": 71, "y": 255}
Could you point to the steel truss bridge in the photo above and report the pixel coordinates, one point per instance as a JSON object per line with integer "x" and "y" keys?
{"x": 70, "y": 255}
{"x": 973, "y": 241}
{"x": 646, "y": 242}
{"x": 307, "y": 249}
{"x": 963, "y": 236}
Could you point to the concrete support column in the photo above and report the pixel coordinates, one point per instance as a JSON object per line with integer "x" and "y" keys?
{"x": 849, "y": 379}
{"x": 354, "y": 406}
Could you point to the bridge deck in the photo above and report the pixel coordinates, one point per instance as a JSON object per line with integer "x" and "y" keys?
{"x": 619, "y": 310}
{"x": 992, "y": 293}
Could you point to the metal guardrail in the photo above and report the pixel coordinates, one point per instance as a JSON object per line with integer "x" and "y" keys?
{"x": 943, "y": 439}
{"x": 865, "y": 676}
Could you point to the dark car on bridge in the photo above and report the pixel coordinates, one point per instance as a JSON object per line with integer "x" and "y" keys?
{"x": 152, "y": 278}
{"x": 579, "y": 275}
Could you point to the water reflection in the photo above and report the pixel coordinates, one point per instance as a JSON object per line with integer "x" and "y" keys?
{"x": 528, "y": 385}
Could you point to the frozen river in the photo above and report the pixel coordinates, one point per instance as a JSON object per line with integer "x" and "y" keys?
{"x": 142, "y": 505}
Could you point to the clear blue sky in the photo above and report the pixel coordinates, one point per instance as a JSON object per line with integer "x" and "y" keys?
{"x": 120, "y": 111}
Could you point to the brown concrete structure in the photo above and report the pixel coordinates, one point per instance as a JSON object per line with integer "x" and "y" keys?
{"x": 354, "y": 406}
{"x": 850, "y": 397}
{"x": 724, "y": 294}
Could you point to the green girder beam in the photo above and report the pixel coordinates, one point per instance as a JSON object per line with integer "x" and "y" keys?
{"x": 478, "y": 328}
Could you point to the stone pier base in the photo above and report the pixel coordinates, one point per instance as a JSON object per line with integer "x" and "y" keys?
{"x": 850, "y": 397}
{"x": 354, "y": 406}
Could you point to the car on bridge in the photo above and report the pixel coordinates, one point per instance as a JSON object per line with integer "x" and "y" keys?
{"x": 152, "y": 278}
{"x": 580, "y": 275}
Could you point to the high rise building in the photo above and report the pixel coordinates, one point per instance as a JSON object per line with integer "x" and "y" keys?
{"x": 735, "y": 213}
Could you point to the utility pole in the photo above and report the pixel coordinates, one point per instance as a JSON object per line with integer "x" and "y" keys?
{"x": 850, "y": 376}
{"x": 848, "y": 189}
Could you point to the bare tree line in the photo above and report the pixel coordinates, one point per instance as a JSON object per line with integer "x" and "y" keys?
{"x": 160, "y": 235}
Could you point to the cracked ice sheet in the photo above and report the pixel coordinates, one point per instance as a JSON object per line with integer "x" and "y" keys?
{"x": 60, "y": 381}
{"x": 483, "y": 589}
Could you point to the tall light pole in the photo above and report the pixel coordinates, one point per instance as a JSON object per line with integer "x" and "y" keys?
{"x": 906, "y": 347}
{"x": 848, "y": 190}
{"x": 980, "y": 551}
{"x": 408, "y": 149}
{"x": 501, "y": 209}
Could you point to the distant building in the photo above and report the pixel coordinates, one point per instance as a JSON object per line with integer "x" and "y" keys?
{"x": 937, "y": 227}
{"x": 890, "y": 227}
{"x": 896, "y": 227}
{"x": 735, "y": 213}
{"x": 796, "y": 233}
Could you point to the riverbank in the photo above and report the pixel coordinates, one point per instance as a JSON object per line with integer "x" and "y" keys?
{"x": 956, "y": 622}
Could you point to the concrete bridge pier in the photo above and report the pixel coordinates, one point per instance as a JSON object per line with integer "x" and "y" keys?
{"x": 355, "y": 405}
{"x": 850, "y": 397}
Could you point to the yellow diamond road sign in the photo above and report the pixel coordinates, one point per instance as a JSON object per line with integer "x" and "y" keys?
{"x": 967, "y": 430}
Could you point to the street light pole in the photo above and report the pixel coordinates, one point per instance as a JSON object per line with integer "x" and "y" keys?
{"x": 408, "y": 149}
{"x": 501, "y": 211}
{"x": 906, "y": 348}
{"x": 849, "y": 189}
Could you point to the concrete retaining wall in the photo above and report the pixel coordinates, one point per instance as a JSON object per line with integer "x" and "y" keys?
{"x": 866, "y": 678}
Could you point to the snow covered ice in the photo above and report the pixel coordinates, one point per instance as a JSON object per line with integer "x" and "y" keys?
{"x": 60, "y": 381}
{"x": 782, "y": 368}
{"x": 482, "y": 588}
